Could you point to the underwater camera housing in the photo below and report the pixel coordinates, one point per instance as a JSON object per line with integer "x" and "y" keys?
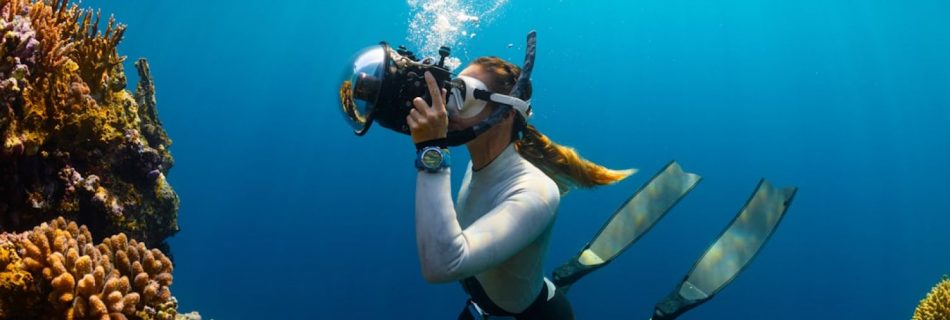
{"x": 382, "y": 82}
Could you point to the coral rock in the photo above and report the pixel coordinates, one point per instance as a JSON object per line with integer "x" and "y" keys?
{"x": 936, "y": 306}
{"x": 56, "y": 254}
{"x": 188, "y": 316}
{"x": 16, "y": 283}
{"x": 73, "y": 141}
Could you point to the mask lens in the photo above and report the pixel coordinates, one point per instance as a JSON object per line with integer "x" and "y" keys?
{"x": 359, "y": 90}
{"x": 456, "y": 97}
{"x": 463, "y": 102}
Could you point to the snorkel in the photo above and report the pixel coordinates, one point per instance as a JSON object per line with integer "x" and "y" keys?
{"x": 381, "y": 82}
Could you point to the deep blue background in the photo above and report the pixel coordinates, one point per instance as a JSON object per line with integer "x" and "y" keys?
{"x": 285, "y": 214}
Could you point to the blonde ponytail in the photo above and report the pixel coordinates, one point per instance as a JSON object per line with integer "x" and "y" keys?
{"x": 562, "y": 164}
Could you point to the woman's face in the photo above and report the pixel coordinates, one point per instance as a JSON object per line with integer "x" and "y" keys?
{"x": 458, "y": 123}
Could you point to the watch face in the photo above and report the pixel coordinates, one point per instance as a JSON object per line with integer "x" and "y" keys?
{"x": 432, "y": 159}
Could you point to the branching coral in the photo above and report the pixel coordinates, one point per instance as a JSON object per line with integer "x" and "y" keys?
{"x": 936, "y": 306}
{"x": 18, "y": 47}
{"x": 75, "y": 143}
{"x": 118, "y": 279}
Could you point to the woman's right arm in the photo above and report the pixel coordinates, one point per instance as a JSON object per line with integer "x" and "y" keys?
{"x": 448, "y": 253}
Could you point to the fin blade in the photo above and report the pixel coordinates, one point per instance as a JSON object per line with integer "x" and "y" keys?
{"x": 733, "y": 250}
{"x": 630, "y": 222}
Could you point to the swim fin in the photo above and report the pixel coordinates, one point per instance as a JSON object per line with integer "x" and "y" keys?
{"x": 630, "y": 222}
{"x": 731, "y": 253}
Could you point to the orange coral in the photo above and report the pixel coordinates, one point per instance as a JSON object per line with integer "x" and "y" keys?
{"x": 118, "y": 279}
{"x": 936, "y": 306}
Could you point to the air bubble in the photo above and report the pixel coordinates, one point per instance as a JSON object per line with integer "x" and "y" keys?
{"x": 436, "y": 23}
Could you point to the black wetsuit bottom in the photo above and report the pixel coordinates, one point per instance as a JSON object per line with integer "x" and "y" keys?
{"x": 557, "y": 308}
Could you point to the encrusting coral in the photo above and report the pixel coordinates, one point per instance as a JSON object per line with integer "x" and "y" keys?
{"x": 64, "y": 276}
{"x": 16, "y": 289}
{"x": 936, "y": 306}
{"x": 73, "y": 141}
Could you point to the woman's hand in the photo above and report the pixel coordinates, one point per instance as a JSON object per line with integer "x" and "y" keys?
{"x": 427, "y": 122}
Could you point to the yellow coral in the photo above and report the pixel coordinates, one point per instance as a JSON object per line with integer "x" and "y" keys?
{"x": 936, "y": 306}
{"x": 15, "y": 282}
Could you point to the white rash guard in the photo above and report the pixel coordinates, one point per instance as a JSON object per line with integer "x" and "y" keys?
{"x": 498, "y": 233}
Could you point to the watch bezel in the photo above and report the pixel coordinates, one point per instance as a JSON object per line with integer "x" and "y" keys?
{"x": 432, "y": 166}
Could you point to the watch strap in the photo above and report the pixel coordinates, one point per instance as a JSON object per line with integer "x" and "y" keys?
{"x": 442, "y": 143}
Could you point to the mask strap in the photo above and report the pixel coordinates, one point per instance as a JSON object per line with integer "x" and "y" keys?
{"x": 521, "y": 106}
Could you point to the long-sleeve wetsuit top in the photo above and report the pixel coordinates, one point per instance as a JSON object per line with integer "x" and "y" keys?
{"x": 498, "y": 232}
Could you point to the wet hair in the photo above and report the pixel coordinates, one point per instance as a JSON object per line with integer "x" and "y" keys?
{"x": 561, "y": 163}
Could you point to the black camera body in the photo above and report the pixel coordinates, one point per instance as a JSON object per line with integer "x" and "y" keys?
{"x": 404, "y": 81}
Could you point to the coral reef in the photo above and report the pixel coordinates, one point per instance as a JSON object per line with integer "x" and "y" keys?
{"x": 55, "y": 272}
{"x": 936, "y": 306}
{"x": 75, "y": 142}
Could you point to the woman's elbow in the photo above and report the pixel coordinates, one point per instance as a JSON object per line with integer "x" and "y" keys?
{"x": 442, "y": 271}
{"x": 436, "y": 278}
{"x": 443, "y": 265}
{"x": 437, "y": 275}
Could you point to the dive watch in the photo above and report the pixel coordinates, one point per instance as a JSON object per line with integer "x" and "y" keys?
{"x": 432, "y": 159}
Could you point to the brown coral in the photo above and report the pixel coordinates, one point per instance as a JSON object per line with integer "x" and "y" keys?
{"x": 75, "y": 143}
{"x": 118, "y": 279}
{"x": 936, "y": 306}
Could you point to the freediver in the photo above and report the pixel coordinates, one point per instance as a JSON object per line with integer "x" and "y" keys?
{"x": 494, "y": 238}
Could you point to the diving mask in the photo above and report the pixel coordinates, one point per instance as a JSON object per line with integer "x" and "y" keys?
{"x": 469, "y": 96}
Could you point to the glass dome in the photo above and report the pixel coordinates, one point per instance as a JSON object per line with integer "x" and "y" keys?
{"x": 360, "y": 87}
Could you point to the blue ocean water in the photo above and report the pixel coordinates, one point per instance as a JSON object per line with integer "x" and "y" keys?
{"x": 287, "y": 215}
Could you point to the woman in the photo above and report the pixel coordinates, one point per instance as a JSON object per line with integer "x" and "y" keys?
{"x": 495, "y": 239}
